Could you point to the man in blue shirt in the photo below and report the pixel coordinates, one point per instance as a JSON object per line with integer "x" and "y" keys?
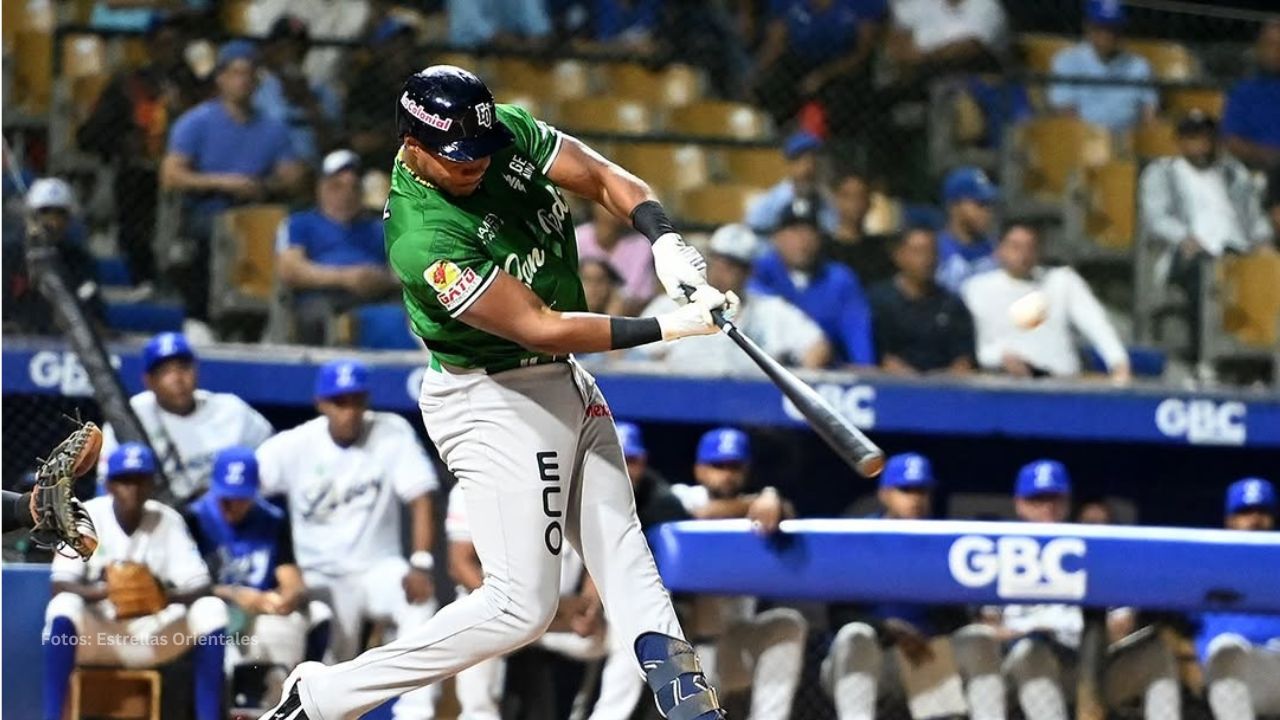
{"x": 310, "y": 110}
{"x": 1115, "y": 107}
{"x": 965, "y": 247}
{"x": 796, "y": 270}
{"x": 1251, "y": 120}
{"x": 801, "y": 150}
{"x": 1241, "y": 652}
{"x": 332, "y": 256}
{"x": 222, "y": 153}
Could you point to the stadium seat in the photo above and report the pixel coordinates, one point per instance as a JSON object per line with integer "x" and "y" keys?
{"x": 762, "y": 167}
{"x": 243, "y": 264}
{"x": 1055, "y": 147}
{"x": 1180, "y": 101}
{"x": 606, "y": 115}
{"x": 1169, "y": 60}
{"x": 235, "y": 16}
{"x": 718, "y": 118}
{"x": 1111, "y": 218}
{"x": 33, "y": 77}
{"x": 671, "y": 168}
{"x": 672, "y": 86}
{"x": 1038, "y": 50}
{"x": 538, "y": 106}
{"x": 1155, "y": 138}
{"x": 114, "y": 693}
{"x": 83, "y": 55}
{"x": 1251, "y": 298}
{"x": 718, "y": 204}
{"x": 563, "y": 80}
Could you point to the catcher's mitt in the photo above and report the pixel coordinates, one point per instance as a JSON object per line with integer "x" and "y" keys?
{"x": 61, "y": 521}
{"x": 133, "y": 590}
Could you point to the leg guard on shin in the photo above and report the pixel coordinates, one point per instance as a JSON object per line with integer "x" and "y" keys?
{"x": 672, "y": 672}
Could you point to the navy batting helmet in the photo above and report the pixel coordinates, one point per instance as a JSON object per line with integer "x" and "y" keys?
{"x": 450, "y": 111}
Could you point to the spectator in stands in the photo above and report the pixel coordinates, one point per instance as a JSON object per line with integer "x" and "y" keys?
{"x": 373, "y": 80}
{"x": 602, "y": 286}
{"x": 828, "y": 292}
{"x": 964, "y": 245}
{"x": 1241, "y": 652}
{"x": 332, "y": 256}
{"x": 920, "y": 326}
{"x": 818, "y": 50}
{"x": 186, "y": 426}
{"x": 1044, "y": 639}
{"x": 325, "y": 19}
{"x": 851, "y": 672}
{"x": 82, "y": 625}
{"x": 929, "y": 37}
{"x": 762, "y": 652}
{"x": 1199, "y": 205}
{"x": 1272, "y": 200}
{"x": 801, "y": 150}
{"x": 629, "y": 25}
{"x": 53, "y": 240}
{"x": 222, "y": 153}
{"x": 248, "y": 546}
{"x": 866, "y": 254}
{"x": 780, "y": 329}
{"x": 626, "y": 250}
{"x": 1251, "y": 120}
{"x": 656, "y": 503}
{"x": 310, "y": 110}
{"x": 128, "y": 127}
{"x": 475, "y": 23}
{"x": 1100, "y": 57}
{"x": 706, "y": 35}
{"x": 1042, "y": 344}
{"x": 363, "y": 469}
{"x": 1095, "y": 511}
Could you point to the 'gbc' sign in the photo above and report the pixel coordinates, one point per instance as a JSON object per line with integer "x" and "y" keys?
{"x": 1022, "y": 568}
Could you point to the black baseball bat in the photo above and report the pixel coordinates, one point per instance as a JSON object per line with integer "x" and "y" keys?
{"x": 850, "y": 443}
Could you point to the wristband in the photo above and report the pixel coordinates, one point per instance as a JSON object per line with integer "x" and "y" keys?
{"x": 650, "y": 220}
{"x": 626, "y": 332}
{"x": 422, "y": 560}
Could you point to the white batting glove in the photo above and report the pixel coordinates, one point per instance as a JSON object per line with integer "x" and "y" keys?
{"x": 677, "y": 265}
{"x": 695, "y": 318}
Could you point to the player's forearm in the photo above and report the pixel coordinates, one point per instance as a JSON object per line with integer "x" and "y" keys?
{"x": 585, "y": 172}
{"x": 728, "y": 508}
{"x": 186, "y": 597}
{"x": 302, "y": 274}
{"x": 91, "y": 592}
{"x": 423, "y": 525}
{"x": 464, "y": 565}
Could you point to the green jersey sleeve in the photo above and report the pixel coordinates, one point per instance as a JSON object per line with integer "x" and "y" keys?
{"x": 535, "y": 139}
{"x": 444, "y": 271}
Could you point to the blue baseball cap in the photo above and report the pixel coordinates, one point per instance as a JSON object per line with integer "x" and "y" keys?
{"x": 1104, "y": 12}
{"x": 799, "y": 143}
{"x": 907, "y": 470}
{"x": 131, "y": 458}
{"x": 968, "y": 183}
{"x": 1042, "y": 477}
{"x": 235, "y": 474}
{"x": 235, "y": 50}
{"x": 389, "y": 28}
{"x": 165, "y": 346}
{"x": 631, "y": 440}
{"x": 724, "y": 445}
{"x": 342, "y": 377}
{"x": 1251, "y": 493}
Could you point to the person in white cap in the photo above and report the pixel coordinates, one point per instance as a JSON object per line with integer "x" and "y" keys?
{"x": 332, "y": 255}
{"x": 776, "y": 325}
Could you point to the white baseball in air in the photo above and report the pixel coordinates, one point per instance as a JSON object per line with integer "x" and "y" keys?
{"x": 1028, "y": 311}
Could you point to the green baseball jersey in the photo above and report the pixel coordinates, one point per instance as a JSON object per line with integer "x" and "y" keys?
{"x": 447, "y": 250}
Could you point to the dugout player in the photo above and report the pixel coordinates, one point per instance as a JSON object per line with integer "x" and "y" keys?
{"x": 83, "y": 624}
{"x": 185, "y": 425}
{"x": 345, "y": 476}
{"x": 248, "y": 545}
{"x": 481, "y": 237}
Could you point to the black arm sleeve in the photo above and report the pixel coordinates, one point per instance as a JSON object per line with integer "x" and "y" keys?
{"x": 17, "y": 511}
{"x": 285, "y": 542}
{"x": 962, "y": 341}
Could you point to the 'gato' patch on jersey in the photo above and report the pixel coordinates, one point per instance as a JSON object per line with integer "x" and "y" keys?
{"x": 452, "y": 284}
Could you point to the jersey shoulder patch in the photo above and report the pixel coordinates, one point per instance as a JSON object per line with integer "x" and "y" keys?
{"x": 453, "y": 285}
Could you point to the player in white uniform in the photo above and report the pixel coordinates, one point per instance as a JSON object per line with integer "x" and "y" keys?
{"x": 186, "y": 426}
{"x": 577, "y": 632}
{"x": 1138, "y": 666}
{"x": 81, "y": 627}
{"x": 741, "y": 649}
{"x": 778, "y": 327}
{"x": 346, "y": 474}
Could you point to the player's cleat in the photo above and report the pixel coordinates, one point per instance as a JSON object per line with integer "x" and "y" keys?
{"x": 290, "y": 706}
{"x": 672, "y": 672}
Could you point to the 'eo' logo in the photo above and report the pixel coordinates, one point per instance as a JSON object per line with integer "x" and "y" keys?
{"x": 1203, "y": 422}
{"x": 1021, "y": 567}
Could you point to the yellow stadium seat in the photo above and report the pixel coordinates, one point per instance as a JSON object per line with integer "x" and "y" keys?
{"x": 564, "y": 80}
{"x": 253, "y": 262}
{"x": 539, "y": 106}
{"x": 762, "y": 167}
{"x": 718, "y": 204}
{"x": 1169, "y": 60}
{"x": 33, "y": 76}
{"x": 606, "y": 115}
{"x": 83, "y": 55}
{"x": 1251, "y": 297}
{"x": 1112, "y": 188}
{"x": 1057, "y": 146}
{"x": 1155, "y": 138}
{"x": 1038, "y": 50}
{"x": 114, "y": 693}
{"x": 1182, "y": 101}
{"x": 719, "y": 118}
{"x": 672, "y": 86}
{"x": 669, "y": 167}
{"x": 235, "y": 16}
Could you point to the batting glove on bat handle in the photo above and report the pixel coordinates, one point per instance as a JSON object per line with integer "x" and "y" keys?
{"x": 677, "y": 265}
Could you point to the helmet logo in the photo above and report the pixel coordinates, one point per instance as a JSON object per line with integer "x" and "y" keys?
{"x": 422, "y": 115}
{"x": 484, "y": 114}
